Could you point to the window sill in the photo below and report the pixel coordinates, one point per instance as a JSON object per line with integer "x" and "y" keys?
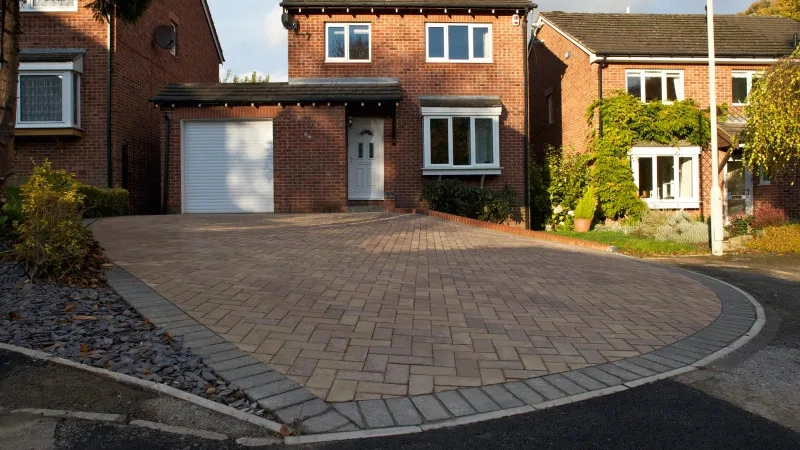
{"x": 672, "y": 204}
{"x": 359, "y": 61}
{"x": 463, "y": 171}
{"x": 60, "y": 131}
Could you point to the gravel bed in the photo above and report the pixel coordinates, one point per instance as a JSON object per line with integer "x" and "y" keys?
{"x": 98, "y": 328}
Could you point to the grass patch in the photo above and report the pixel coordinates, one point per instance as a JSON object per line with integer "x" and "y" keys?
{"x": 637, "y": 246}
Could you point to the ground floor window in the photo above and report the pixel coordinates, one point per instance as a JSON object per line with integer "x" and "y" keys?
{"x": 48, "y": 95}
{"x": 461, "y": 140}
{"x": 667, "y": 177}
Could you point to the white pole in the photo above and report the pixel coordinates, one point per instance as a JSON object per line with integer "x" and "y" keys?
{"x": 716, "y": 193}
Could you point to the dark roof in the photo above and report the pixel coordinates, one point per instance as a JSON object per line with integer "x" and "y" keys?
{"x": 460, "y": 101}
{"x": 297, "y": 91}
{"x": 678, "y": 34}
{"x": 50, "y": 54}
{"x": 477, "y": 4}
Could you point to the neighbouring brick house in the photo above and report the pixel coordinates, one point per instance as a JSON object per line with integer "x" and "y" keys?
{"x": 381, "y": 97}
{"x": 63, "y": 108}
{"x": 576, "y": 57}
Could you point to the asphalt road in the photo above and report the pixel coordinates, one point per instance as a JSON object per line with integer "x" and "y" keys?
{"x": 748, "y": 400}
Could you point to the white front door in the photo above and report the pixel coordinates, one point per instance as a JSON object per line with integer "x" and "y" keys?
{"x": 365, "y": 159}
{"x": 738, "y": 188}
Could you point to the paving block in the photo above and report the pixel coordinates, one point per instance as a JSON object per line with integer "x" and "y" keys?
{"x": 523, "y": 392}
{"x": 671, "y": 363}
{"x": 455, "y": 403}
{"x": 322, "y": 423}
{"x": 501, "y": 396}
{"x": 479, "y": 400}
{"x": 243, "y": 372}
{"x": 280, "y": 401}
{"x": 638, "y": 370}
{"x": 223, "y": 356}
{"x": 430, "y": 408}
{"x": 584, "y": 380}
{"x": 564, "y": 384}
{"x": 266, "y": 385}
{"x": 234, "y": 363}
{"x": 609, "y": 374}
{"x": 376, "y": 413}
{"x": 545, "y": 389}
{"x": 302, "y": 411}
{"x": 403, "y": 411}
{"x": 351, "y": 411}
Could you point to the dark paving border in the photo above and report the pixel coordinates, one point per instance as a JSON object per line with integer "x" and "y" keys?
{"x": 741, "y": 319}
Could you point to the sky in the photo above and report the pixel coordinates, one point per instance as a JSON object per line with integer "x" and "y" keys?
{"x": 253, "y": 39}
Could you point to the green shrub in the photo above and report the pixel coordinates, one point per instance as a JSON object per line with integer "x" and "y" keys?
{"x": 769, "y": 216}
{"x": 740, "y": 224}
{"x": 52, "y": 237}
{"x": 783, "y": 239}
{"x": 103, "y": 202}
{"x": 541, "y": 207}
{"x": 453, "y": 197}
{"x": 650, "y": 223}
{"x": 10, "y": 213}
{"x": 587, "y": 205}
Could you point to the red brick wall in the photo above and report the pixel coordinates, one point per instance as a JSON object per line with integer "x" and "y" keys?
{"x": 574, "y": 81}
{"x": 309, "y": 154}
{"x": 140, "y": 70}
{"x": 398, "y": 50}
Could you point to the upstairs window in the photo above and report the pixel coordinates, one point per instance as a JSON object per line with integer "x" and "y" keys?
{"x": 48, "y": 5}
{"x": 460, "y": 42}
{"x": 49, "y": 96}
{"x": 347, "y": 42}
{"x": 655, "y": 85}
{"x": 741, "y": 84}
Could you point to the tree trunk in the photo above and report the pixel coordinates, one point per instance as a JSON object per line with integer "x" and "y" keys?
{"x": 9, "y": 72}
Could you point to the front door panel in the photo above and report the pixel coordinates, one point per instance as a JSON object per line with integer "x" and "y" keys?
{"x": 365, "y": 159}
{"x": 738, "y": 189}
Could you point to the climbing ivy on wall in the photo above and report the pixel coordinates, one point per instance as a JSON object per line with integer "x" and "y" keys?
{"x": 626, "y": 122}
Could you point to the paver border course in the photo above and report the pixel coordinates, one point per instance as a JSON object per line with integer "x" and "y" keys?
{"x": 740, "y": 320}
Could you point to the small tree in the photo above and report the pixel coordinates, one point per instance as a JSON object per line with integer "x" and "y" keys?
{"x": 783, "y": 8}
{"x": 772, "y": 135}
{"x": 252, "y": 78}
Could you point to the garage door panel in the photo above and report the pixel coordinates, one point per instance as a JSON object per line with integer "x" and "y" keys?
{"x": 228, "y": 166}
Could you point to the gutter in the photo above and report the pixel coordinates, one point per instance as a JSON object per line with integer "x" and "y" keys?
{"x": 526, "y": 138}
{"x": 109, "y": 147}
{"x": 601, "y": 64}
{"x": 165, "y": 188}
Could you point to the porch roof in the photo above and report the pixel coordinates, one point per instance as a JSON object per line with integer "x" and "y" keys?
{"x": 296, "y": 91}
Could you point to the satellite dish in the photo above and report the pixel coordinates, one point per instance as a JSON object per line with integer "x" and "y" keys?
{"x": 289, "y": 22}
{"x": 164, "y": 36}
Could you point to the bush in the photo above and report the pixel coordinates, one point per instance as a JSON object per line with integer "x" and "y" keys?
{"x": 587, "y": 205}
{"x": 650, "y": 223}
{"x": 103, "y": 202}
{"x": 784, "y": 239}
{"x": 453, "y": 197}
{"x": 769, "y": 216}
{"x": 10, "y": 213}
{"x": 52, "y": 237}
{"x": 683, "y": 229}
{"x": 740, "y": 224}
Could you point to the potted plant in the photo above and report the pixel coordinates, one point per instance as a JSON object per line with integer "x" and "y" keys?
{"x": 584, "y": 211}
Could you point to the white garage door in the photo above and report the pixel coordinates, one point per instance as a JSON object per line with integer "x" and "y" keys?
{"x": 227, "y": 167}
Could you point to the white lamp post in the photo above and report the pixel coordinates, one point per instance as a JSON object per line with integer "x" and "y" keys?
{"x": 716, "y": 193}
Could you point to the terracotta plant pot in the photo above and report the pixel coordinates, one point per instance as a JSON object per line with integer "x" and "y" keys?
{"x": 582, "y": 225}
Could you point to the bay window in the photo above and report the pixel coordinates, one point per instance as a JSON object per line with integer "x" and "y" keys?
{"x": 461, "y": 141}
{"x": 655, "y": 85}
{"x": 49, "y": 95}
{"x": 667, "y": 177}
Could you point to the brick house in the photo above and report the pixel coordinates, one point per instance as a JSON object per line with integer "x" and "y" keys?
{"x": 578, "y": 57}
{"x": 381, "y": 97}
{"x": 66, "y": 112}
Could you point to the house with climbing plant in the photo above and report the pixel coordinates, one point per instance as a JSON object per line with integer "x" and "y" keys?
{"x": 381, "y": 97}
{"x": 85, "y": 85}
{"x": 578, "y": 58}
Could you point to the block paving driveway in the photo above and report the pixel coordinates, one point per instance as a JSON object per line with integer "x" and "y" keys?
{"x": 378, "y": 305}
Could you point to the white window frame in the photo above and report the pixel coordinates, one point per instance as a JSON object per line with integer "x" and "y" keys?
{"x": 648, "y": 73}
{"x": 551, "y": 109}
{"x": 174, "y": 50}
{"x": 654, "y": 202}
{"x": 748, "y": 75}
{"x": 763, "y": 176}
{"x": 492, "y": 113}
{"x": 70, "y": 73}
{"x": 488, "y": 51}
{"x": 31, "y": 6}
{"x": 346, "y": 58}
